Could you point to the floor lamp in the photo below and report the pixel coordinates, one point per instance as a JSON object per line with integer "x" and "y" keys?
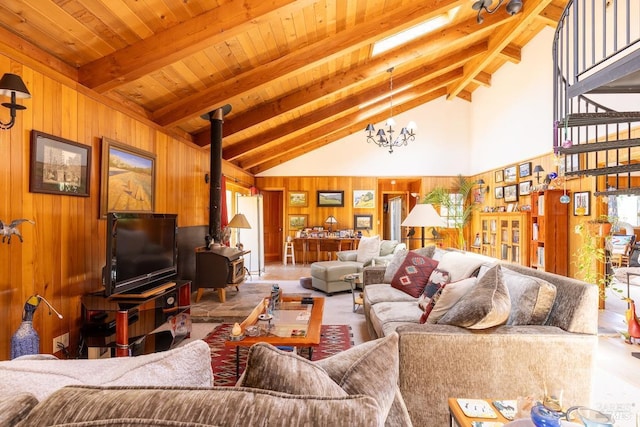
{"x": 239, "y": 221}
{"x": 423, "y": 215}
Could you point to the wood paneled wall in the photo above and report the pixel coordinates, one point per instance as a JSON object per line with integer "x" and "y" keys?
{"x": 62, "y": 255}
{"x": 345, "y": 215}
{"x": 572, "y": 185}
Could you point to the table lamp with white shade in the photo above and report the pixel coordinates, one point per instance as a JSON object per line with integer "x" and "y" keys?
{"x": 423, "y": 215}
{"x": 239, "y": 221}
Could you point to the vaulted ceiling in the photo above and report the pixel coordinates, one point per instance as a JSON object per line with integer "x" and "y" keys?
{"x": 298, "y": 74}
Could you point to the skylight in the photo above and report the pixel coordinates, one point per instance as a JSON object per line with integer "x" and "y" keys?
{"x": 413, "y": 32}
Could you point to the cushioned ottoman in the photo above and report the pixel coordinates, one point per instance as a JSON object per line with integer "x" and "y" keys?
{"x": 325, "y": 275}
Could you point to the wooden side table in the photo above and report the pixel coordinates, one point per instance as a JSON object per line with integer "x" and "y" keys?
{"x": 459, "y": 419}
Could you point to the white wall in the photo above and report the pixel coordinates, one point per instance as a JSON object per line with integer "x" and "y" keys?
{"x": 508, "y": 122}
{"x": 512, "y": 120}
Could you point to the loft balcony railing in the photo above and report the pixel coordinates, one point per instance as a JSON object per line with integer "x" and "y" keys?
{"x": 596, "y": 59}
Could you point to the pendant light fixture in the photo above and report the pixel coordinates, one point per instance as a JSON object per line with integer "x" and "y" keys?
{"x": 385, "y": 139}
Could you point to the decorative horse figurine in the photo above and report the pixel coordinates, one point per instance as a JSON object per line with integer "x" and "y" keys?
{"x": 6, "y": 231}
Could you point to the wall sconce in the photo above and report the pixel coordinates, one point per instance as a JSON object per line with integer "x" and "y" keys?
{"x": 480, "y": 183}
{"x": 513, "y": 7}
{"x": 537, "y": 171}
{"x": 12, "y": 86}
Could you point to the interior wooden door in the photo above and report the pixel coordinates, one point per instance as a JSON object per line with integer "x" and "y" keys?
{"x": 273, "y": 232}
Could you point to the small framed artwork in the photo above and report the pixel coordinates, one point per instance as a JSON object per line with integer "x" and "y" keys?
{"x": 510, "y": 193}
{"x": 498, "y": 192}
{"x": 582, "y": 203}
{"x": 364, "y": 199}
{"x": 524, "y": 169}
{"x": 331, "y": 198}
{"x": 499, "y": 175}
{"x": 59, "y": 166}
{"x": 363, "y": 222}
{"x": 298, "y": 222}
{"x": 524, "y": 188}
{"x": 510, "y": 174}
{"x": 298, "y": 199}
{"x": 128, "y": 178}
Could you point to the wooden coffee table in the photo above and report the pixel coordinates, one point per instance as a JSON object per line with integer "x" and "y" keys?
{"x": 279, "y": 336}
{"x": 458, "y": 417}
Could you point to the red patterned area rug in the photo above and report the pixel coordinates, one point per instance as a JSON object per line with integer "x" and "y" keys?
{"x": 333, "y": 339}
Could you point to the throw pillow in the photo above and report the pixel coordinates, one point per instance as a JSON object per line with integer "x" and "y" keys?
{"x": 394, "y": 265}
{"x": 413, "y": 274}
{"x": 461, "y": 265}
{"x": 269, "y": 368}
{"x": 162, "y": 369}
{"x": 486, "y": 305}
{"x": 531, "y": 298}
{"x": 387, "y": 247}
{"x": 427, "y": 251}
{"x": 371, "y": 368}
{"x": 447, "y": 297}
{"x": 368, "y": 248}
{"x": 437, "y": 280}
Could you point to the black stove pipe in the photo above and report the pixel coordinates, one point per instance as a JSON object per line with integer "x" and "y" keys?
{"x": 216, "y": 118}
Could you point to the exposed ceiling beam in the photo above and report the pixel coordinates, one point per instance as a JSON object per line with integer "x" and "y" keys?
{"x": 303, "y": 59}
{"x": 186, "y": 38}
{"x": 436, "y": 42}
{"x": 499, "y": 41}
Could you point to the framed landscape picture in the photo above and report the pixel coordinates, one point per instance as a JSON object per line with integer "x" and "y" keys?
{"x": 297, "y": 222}
{"x": 128, "y": 178}
{"x": 525, "y": 188}
{"x": 498, "y": 192}
{"x": 363, "y": 222}
{"x": 331, "y": 198}
{"x": 511, "y": 193}
{"x": 298, "y": 199}
{"x": 59, "y": 166}
{"x": 510, "y": 175}
{"x": 364, "y": 199}
{"x": 524, "y": 169}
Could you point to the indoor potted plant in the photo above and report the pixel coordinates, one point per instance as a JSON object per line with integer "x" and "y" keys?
{"x": 458, "y": 208}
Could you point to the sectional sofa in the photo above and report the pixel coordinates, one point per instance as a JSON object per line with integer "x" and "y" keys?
{"x": 548, "y": 334}
{"x": 357, "y": 387}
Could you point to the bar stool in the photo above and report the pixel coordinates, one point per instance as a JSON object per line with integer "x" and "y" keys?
{"x": 289, "y": 252}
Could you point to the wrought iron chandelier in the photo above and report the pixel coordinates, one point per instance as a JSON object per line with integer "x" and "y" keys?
{"x": 381, "y": 139}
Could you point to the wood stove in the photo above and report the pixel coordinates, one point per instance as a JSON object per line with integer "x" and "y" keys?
{"x": 217, "y": 268}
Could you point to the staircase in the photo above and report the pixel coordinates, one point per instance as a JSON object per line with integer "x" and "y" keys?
{"x": 596, "y": 56}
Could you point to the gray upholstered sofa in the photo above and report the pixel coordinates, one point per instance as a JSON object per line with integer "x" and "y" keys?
{"x": 357, "y": 387}
{"x": 438, "y": 361}
{"x": 326, "y": 276}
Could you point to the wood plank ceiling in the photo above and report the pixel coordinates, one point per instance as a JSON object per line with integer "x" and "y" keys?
{"x": 298, "y": 74}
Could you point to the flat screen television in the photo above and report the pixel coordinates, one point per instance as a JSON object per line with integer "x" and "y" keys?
{"x": 142, "y": 251}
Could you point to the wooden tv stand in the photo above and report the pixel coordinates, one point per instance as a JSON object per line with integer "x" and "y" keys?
{"x": 125, "y": 320}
